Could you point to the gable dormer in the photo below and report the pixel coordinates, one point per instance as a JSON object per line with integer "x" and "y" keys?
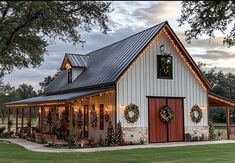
{"x": 74, "y": 64}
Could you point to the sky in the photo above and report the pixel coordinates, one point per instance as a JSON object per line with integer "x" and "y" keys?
{"x": 127, "y": 19}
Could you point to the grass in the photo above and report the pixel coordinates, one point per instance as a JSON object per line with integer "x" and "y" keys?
{"x": 208, "y": 153}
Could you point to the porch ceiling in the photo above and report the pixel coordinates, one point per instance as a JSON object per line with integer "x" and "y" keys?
{"x": 57, "y": 99}
{"x": 219, "y": 101}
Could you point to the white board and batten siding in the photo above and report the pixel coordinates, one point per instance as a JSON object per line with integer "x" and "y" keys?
{"x": 141, "y": 81}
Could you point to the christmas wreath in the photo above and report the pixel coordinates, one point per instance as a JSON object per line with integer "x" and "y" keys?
{"x": 196, "y": 114}
{"x": 134, "y": 109}
{"x": 166, "y": 114}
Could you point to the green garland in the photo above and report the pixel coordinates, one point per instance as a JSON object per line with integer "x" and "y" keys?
{"x": 93, "y": 116}
{"x": 196, "y": 118}
{"x": 79, "y": 119}
{"x": 166, "y": 114}
{"x": 131, "y": 108}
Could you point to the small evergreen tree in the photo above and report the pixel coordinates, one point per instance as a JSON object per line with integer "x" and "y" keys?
{"x": 93, "y": 116}
{"x": 109, "y": 140}
{"x": 119, "y": 133}
{"x": 49, "y": 118}
{"x": 211, "y": 131}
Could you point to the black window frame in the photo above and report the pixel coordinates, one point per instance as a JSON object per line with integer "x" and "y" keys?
{"x": 101, "y": 116}
{"x": 70, "y": 73}
{"x": 159, "y": 76}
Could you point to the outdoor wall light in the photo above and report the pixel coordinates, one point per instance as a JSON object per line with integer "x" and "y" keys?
{"x": 122, "y": 106}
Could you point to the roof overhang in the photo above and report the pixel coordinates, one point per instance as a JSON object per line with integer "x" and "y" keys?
{"x": 219, "y": 101}
{"x": 58, "y": 99}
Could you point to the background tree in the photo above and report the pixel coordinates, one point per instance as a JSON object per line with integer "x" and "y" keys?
{"x": 47, "y": 80}
{"x": 25, "y": 91}
{"x": 7, "y": 93}
{"x": 206, "y": 17}
{"x": 25, "y": 27}
{"x": 222, "y": 84}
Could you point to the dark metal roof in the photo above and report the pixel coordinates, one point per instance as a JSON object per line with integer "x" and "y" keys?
{"x": 105, "y": 65}
{"x": 58, "y": 97}
{"x": 77, "y": 60}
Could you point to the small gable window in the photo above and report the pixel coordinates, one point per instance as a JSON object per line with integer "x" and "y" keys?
{"x": 70, "y": 77}
{"x": 164, "y": 65}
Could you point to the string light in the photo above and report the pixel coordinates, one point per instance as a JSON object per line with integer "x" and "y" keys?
{"x": 221, "y": 100}
{"x": 176, "y": 48}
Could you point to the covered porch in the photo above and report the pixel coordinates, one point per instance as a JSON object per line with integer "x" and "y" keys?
{"x": 65, "y": 114}
{"x": 216, "y": 101}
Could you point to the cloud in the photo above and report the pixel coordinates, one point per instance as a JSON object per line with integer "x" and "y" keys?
{"x": 128, "y": 18}
{"x": 157, "y": 12}
{"x": 215, "y": 55}
{"x": 202, "y": 42}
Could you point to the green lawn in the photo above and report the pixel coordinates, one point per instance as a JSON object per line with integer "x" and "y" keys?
{"x": 209, "y": 153}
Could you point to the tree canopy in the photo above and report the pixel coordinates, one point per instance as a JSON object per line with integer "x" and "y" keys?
{"x": 206, "y": 17}
{"x": 9, "y": 93}
{"x": 222, "y": 83}
{"x": 47, "y": 80}
{"x": 27, "y": 26}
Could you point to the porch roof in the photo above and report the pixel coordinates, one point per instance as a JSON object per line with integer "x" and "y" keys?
{"x": 55, "y": 99}
{"x": 216, "y": 100}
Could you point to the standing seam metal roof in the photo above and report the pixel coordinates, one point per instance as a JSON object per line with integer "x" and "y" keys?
{"x": 77, "y": 60}
{"x": 105, "y": 65}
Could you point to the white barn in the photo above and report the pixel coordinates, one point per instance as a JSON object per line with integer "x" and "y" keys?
{"x": 151, "y": 70}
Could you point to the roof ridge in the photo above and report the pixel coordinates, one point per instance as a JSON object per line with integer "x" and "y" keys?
{"x": 77, "y": 54}
{"x": 164, "y": 22}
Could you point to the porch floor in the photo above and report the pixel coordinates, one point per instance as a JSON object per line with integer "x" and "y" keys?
{"x": 41, "y": 148}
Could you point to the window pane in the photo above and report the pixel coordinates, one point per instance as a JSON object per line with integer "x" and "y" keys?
{"x": 70, "y": 79}
{"x": 164, "y": 67}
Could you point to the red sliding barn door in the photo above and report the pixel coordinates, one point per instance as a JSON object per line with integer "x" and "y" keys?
{"x": 160, "y": 132}
{"x": 176, "y": 127}
{"x": 157, "y": 130}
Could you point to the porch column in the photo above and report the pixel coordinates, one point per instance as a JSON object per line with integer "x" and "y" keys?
{"x": 70, "y": 118}
{"x": 17, "y": 112}
{"x": 22, "y": 120}
{"x": 8, "y": 119}
{"x": 228, "y": 122}
{"x": 30, "y": 118}
{"x": 39, "y": 116}
{"x": 41, "y": 119}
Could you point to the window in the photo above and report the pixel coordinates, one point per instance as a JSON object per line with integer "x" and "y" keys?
{"x": 70, "y": 79}
{"x": 164, "y": 66}
{"x": 101, "y": 116}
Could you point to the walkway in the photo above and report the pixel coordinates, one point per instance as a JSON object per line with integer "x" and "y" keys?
{"x": 40, "y": 147}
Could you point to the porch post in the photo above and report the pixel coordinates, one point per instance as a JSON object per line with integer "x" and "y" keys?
{"x": 8, "y": 119}
{"x": 30, "y": 117}
{"x": 228, "y": 122}
{"x": 17, "y": 112}
{"x": 22, "y": 120}
{"x": 70, "y": 118}
{"x": 39, "y": 116}
{"x": 41, "y": 119}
